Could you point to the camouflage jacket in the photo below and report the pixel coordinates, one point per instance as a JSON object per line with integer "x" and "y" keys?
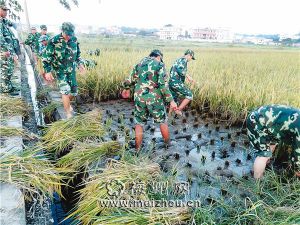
{"x": 89, "y": 63}
{"x": 148, "y": 78}
{"x": 274, "y": 124}
{"x": 33, "y": 41}
{"x": 178, "y": 70}
{"x": 42, "y": 47}
{"x": 61, "y": 56}
{"x": 6, "y": 37}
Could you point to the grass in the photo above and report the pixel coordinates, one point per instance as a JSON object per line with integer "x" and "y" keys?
{"x": 86, "y": 154}
{"x": 12, "y": 131}
{"x": 6, "y": 103}
{"x": 95, "y": 187}
{"x": 32, "y": 172}
{"x": 50, "y": 109}
{"x": 63, "y": 134}
{"x": 145, "y": 217}
{"x": 274, "y": 199}
{"x": 232, "y": 80}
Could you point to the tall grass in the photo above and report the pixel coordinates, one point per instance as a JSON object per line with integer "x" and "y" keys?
{"x": 63, "y": 134}
{"x": 10, "y": 106}
{"x": 85, "y": 154}
{"x": 95, "y": 187}
{"x": 32, "y": 172}
{"x": 272, "y": 200}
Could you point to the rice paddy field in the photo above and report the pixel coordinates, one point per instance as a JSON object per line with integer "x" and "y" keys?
{"x": 90, "y": 158}
{"x": 231, "y": 80}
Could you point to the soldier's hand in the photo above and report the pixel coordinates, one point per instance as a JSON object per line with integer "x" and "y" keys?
{"x": 297, "y": 174}
{"x": 16, "y": 58}
{"x": 125, "y": 93}
{"x": 7, "y": 54}
{"x": 190, "y": 79}
{"x": 173, "y": 105}
{"x": 49, "y": 77}
{"x": 82, "y": 69}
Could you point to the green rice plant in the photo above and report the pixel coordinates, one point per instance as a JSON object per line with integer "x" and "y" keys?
{"x": 85, "y": 154}
{"x": 42, "y": 93}
{"x": 13, "y": 131}
{"x": 50, "y": 108}
{"x": 274, "y": 199}
{"x": 63, "y": 134}
{"x": 32, "y": 172}
{"x": 96, "y": 186}
{"x": 10, "y": 106}
{"x": 145, "y": 216}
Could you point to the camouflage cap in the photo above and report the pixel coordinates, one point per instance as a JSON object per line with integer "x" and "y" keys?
{"x": 68, "y": 28}
{"x": 33, "y": 28}
{"x": 3, "y": 6}
{"x": 43, "y": 38}
{"x": 190, "y": 52}
{"x": 43, "y": 27}
{"x": 155, "y": 53}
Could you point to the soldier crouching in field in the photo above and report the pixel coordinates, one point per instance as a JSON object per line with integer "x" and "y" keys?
{"x": 150, "y": 94}
{"x": 61, "y": 56}
{"x": 269, "y": 127}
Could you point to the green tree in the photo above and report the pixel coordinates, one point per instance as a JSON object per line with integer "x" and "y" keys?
{"x": 15, "y": 6}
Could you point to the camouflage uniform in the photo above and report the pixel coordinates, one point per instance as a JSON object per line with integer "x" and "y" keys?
{"x": 89, "y": 63}
{"x": 150, "y": 90}
{"x": 177, "y": 78}
{"x": 6, "y": 63}
{"x": 42, "y": 47}
{"x": 62, "y": 57}
{"x": 33, "y": 41}
{"x": 275, "y": 124}
{"x": 97, "y": 52}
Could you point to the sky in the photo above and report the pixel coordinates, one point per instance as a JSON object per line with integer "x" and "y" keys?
{"x": 241, "y": 16}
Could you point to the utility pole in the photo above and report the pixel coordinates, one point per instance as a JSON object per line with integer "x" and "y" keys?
{"x": 26, "y": 14}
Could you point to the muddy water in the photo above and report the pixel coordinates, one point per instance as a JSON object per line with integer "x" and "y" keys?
{"x": 206, "y": 155}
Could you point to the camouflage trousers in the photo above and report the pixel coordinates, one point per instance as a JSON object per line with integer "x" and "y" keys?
{"x": 6, "y": 72}
{"x": 149, "y": 106}
{"x": 180, "y": 90}
{"x": 67, "y": 83}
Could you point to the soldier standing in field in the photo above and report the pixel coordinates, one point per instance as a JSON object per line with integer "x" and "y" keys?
{"x": 44, "y": 37}
{"x": 61, "y": 57}
{"x": 269, "y": 128}
{"x": 7, "y": 52}
{"x": 43, "y": 41}
{"x": 33, "y": 41}
{"x": 178, "y": 74}
{"x": 44, "y": 30}
{"x": 150, "y": 93}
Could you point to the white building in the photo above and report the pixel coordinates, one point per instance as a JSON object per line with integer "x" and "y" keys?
{"x": 211, "y": 34}
{"x": 224, "y": 35}
{"x": 169, "y": 32}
